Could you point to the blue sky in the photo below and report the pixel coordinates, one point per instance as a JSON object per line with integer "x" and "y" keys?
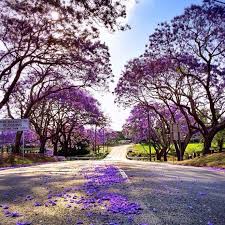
{"x": 143, "y": 18}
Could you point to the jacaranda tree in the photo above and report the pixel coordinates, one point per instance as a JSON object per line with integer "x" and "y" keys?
{"x": 184, "y": 65}
{"x": 61, "y": 118}
{"x": 61, "y": 34}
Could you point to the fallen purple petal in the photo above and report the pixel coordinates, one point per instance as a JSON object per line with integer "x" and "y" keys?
{"x": 36, "y": 204}
{"x": 23, "y": 223}
{"x": 5, "y": 206}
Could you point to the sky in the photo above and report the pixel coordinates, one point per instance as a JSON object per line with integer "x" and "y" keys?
{"x": 143, "y": 18}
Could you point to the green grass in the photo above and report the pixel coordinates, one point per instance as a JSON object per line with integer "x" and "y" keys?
{"x": 141, "y": 150}
{"x": 194, "y": 147}
{"x": 213, "y": 160}
{"x": 191, "y": 148}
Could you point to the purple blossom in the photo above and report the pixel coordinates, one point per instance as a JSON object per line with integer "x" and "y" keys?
{"x": 36, "y": 204}
{"x": 23, "y": 223}
{"x": 28, "y": 198}
{"x": 202, "y": 193}
{"x": 15, "y": 214}
{"x": 154, "y": 210}
{"x": 50, "y": 203}
{"x": 6, "y": 213}
{"x": 5, "y": 206}
{"x": 106, "y": 177}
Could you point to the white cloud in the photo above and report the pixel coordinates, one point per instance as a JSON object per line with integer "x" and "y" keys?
{"x": 130, "y": 7}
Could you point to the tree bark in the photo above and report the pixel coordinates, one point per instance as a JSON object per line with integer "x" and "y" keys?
{"x": 158, "y": 157}
{"x": 16, "y": 148}
{"x": 65, "y": 148}
{"x": 55, "y": 146}
{"x": 177, "y": 151}
{"x": 220, "y": 145}
{"x": 165, "y": 156}
{"x": 159, "y": 154}
{"x": 42, "y": 145}
{"x": 207, "y": 143}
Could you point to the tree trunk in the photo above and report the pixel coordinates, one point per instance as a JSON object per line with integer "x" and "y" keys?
{"x": 16, "y": 148}
{"x": 158, "y": 157}
{"x": 158, "y": 154}
{"x": 207, "y": 143}
{"x": 98, "y": 149}
{"x": 220, "y": 145}
{"x": 55, "y": 146}
{"x": 182, "y": 150}
{"x": 12, "y": 159}
{"x": 65, "y": 148}
{"x": 42, "y": 145}
{"x": 177, "y": 151}
{"x": 165, "y": 156}
{"x": 150, "y": 151}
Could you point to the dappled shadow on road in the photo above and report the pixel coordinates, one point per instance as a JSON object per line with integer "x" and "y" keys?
{"x": 18, "y": 185}
{"x": 178, "y": 195}
{"x": 21, "y": 191}
{"x": 167, "y": 194}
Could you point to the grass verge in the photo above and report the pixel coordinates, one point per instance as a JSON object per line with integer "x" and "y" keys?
{"x": 214, "y": 160}
{"x": 7, "y": 160}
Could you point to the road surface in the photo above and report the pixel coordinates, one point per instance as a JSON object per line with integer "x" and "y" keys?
{"x": 167, "y": 194}
{"x": 117, "y": 153}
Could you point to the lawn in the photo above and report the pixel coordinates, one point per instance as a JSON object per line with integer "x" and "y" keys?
{"x": 214, "y": 160}
{"x": 191, "y": 148}
{"x": 143, "y": 149}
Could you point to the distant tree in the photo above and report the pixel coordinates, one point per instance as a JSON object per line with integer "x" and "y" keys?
{"x": 62, "y": 116}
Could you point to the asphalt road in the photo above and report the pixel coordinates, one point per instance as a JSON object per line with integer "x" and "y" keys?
{"x": 168, "y": 194}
